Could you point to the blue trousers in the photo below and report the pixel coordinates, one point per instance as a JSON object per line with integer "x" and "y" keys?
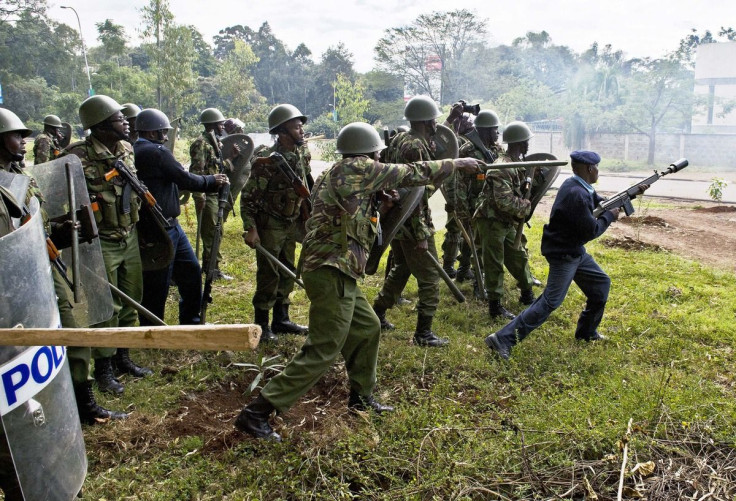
{"x": 187, "y": 274}
{"x": 591, "y": 279}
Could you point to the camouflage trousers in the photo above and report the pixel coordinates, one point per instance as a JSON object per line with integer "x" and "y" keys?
{"x": 497, "y": 245}
{"x": 410, "y": 261}
{"x": 454, "y": 244}
{"x": 278, "y": 236}
{"x": 341, "y": 322}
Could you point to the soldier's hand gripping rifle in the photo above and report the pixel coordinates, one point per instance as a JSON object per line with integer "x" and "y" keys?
{"x": 624, "y": 198}
{"x": 210, "y": 267}
{"x": 131, "y": 182}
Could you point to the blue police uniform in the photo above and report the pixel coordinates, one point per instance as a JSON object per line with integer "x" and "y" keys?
{"x": 163, "y": 175}
{"x": 570, "y": 226}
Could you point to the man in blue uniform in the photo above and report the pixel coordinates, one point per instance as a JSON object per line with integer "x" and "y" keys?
{"x": 163, "y": 175}
{"x": 571, "y": 225}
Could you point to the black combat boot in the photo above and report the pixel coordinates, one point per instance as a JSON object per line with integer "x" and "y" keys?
{"x": 253, "y": 419}
{"x": 104, "y": 377}
{"x": 282, "y": 324}
{"x": 527, "y": 297}
{"x": 464, "y": 273}
{"x": 362, "y": 403}
{"x": 122, "y": 364}
{"x": 385, "y": 324}
{"x": 496, "y": 309}
{"x": 261, "y": 318}
{"x": 90, "y": 412}
{"x": 495, "y": 344}
{"x": 424, "y": 335}
{"x": 449, "y": 266}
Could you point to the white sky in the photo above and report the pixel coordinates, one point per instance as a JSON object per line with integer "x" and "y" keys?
{"x": 638, "y": 27}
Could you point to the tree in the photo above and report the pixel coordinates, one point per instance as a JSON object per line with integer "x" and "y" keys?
{"x": 351, "y": 102}
{"x": 157, "y": 16}
{"x": 335, "y": 61}
{"x": 658, "y": 95}
{"x": 232, "y": 83}
{"x": 426, "y": 53}
{"x": 113, "y": 39}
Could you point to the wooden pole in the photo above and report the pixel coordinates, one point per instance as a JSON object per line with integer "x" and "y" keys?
{"x": 235, "y": 337}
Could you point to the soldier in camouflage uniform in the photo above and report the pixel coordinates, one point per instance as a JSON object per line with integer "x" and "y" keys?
{"x": 417, "y": 235}
{"x": 500, "y": 208}
{"x": 116, "y": 212}
{"x": 272, "y": 213}
{"x": 340, "y": 234}
{"x": 205, "y": 163}
{"x": 12, "y": 151}
{"x": 131, "y": 111}
{"x": 46, "y": 145}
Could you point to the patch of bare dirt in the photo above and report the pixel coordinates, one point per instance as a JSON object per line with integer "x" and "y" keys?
{"x": 628, "y": 243}
{"x": 703, "y": 234}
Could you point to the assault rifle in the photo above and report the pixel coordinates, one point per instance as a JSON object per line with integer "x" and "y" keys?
{"x": 132, "y": 182}
{"x": 474, "y": 138}
{"x": 221, "y": 166}
{"x": 624, "y": 198}
{"x": 301, "y": 189}
{"x": 210, "y": 267}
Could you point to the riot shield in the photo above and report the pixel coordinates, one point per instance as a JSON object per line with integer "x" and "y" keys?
{"x": 241, "y": 163}
{"x": 391, "y": 222}
{"x": 544, "y": 177}
{"x": 66, "y": 134}
{"x": 37, "y": 405}
{"x": 445, "y": 142}
{"x": 95, "y": 304}
{"x": 17, "y": 185}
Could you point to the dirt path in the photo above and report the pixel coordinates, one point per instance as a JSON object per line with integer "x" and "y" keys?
{"x": 703, "y": 232}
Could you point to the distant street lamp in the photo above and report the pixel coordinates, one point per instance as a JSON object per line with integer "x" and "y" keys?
{"x": 90, "y": 92}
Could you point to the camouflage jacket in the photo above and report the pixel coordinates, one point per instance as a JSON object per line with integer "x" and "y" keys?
{"x": 269, "y": 192}
{"x": 473, "y": 184}
{"x": 204, "y": 160}
{"x": 6, "y": 221}
{"x": 501, "y": 197}
{"x": 115, "y": 211}
{"x": 342, "y": 228}
{"x": 45, "y": 148}
{"x": 407, "y": 147}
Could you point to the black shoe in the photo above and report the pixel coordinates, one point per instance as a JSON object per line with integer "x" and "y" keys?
{"x": 464, "y": 273}
{"x": 385, "y": 324}
{"x": 450, "y": 269}
{"x": 527, "y": 297}
{"x": 595, "y": 337}
{"x": 496, "y": 309}
{"x": 495, "y": 344}
{"x": 261, "y": 319}
{"x": 536, "y": 282}
{"x": 219, "y": 275}
{"x": 253, "y": 419}
{"x": 362, "y": 403}
{"x": 423, "y": 336}
{"x": 402, "y": 301}
{"x": 105, "y": 380}
{"x": 89, "y": 411}
{"x": 122, "y": 364}
{"x": 282, "y": 324}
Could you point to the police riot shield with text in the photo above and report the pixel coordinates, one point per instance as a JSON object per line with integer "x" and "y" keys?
{"x": 95, "y": 304}
{"x": 43, "y": 445}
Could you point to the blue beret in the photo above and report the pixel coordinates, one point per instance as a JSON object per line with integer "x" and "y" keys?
{"x": 585, "y": 157}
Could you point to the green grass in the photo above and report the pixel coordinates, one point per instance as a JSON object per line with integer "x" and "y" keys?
{"x": 466, "y": 425}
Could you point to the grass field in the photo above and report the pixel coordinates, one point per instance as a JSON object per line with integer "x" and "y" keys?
{"x": 551, "y": 422}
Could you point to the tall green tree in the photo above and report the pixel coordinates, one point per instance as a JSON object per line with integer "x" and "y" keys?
{"x": 351, "y": 103}
{"x": 157, "y": 17}
{"x": 426, "y": 53}
{"x": 239, "y": 95}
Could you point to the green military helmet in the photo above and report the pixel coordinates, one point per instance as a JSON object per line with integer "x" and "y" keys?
{"x": 211, "y": 116}
{"x": 151, "y": 119}
{"x": 486, "y": 118}
{"x": 52, "y": 121}
{"x": 97, "y": 109}
{"x": 9, "y": 122}
{"x": 420, "y": 109}
{"x": 516, "y": 132}
{"x": 130, "y": 110}
{"x": 357, "y": 138}
{"x": 282, "y": 114}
